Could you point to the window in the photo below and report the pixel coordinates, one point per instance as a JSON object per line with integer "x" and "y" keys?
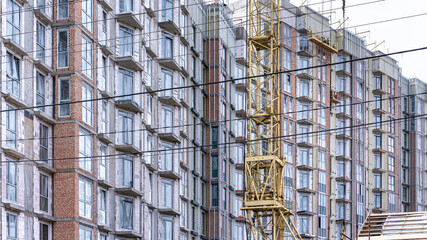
{"x": 44, "y": 231}
{"x": 377, "y": 141}
{"x": 150, "y": 187}
{"x": 360, "y": 69}
{"x": 62, "y": 9}
{"x": 125, "y": 6}
{"x": 167, "y": 119}
{"x": 167, "y": 228}
{"x": 360, "y": 90}
{"x": 304, "y": 88}
{"x": 63, "y": 46}
{"x": 183, "y": 217}
{"x": 391, "y": 202}
{"x": 377, "y": 119}
{"x": 341, "y": 84}
{"x": 360, "y": 192}
{"x": 322, "y": 182}
{"x": 287, "y": 35}
{"x": 322, "y": 204}
{"x": 85, "y": 150}
{"x": 304, "y": 227}
{"x": 11, "y": 226}
{"x": 322, "y": 226}
{"x": 87, "y": 56}
{"x": 167, "y": 193}
{"x": 391, "y": 183}
{"x": 104, "y": 26}
{"x": 150, "y": 225}
{"x": 85, "y": 198}
{"x": 215, "y": 196}
{"x": 126, "y": 213}
{"x": 377, "y": 82}
{"x": 11, "y": 181}
{"x": 341, "y": 190}
{"x": 287, "y": 57}
{"x": 87, "y": 104}
{"x": 125, "y": 83}
{"x": 322, "y": 116}
{"x": 322, "y": 160}
{"x": 44, "y": 143}
{"x": 182, "y": 55}
{"x": 391, "y": 144}
{"x": 40, "y": 41}
{"x": 125, "y": 41}
{"x": 125, "y": 171}
{"x": 377, "y": 200}
{"x": 13, "y": 76}
{"x": 149, "y": 147}
{"x": 223, "y": 56}
{"x": 340, "y": 168}
{"x": 103, "y": 126}
{"x": 149, "y": 71}
{"x": 166, "y": 157}
{"x": 11, "y": 127}
{"x": 377, "y": 160}
{"x": 304, "y": 156}
{"x": 103, "y": 162}
{"x": 87, "y": 14}
{"x": 303, "y": 201}
{"x": 214, "y": 166}
{"x": 102, "y": 206}
{"x": 125, "y": 128}
{"x": 167, "y": 83}
{"x": 287, "y": 84}
{"x": 44, "y": 193}
{"x": 239, "y": 180}
{"x": 377, "y": 180}
{"x": 304, "y": 179}
{"x": 167, "y": 10}
{"x": 64, "y": 97}
{"x": 167, "y": 44}
{"x": 13, "y": 21}
{"x": 214, "y": 137}
{"x": 102, "y": 236}
{"x": 391, "y": 163}
{"x": 40, "y": 91}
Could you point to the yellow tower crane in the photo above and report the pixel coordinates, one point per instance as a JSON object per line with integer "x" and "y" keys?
{"x": 264, "y": 164}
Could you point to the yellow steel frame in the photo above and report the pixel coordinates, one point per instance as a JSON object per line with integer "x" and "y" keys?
{"x": 264, "y": 166}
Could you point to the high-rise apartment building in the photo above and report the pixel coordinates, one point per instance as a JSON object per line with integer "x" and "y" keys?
{"x": 126, "y": 119}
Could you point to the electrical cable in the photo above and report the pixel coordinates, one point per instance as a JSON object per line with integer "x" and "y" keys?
{"x": 313, "y": 133}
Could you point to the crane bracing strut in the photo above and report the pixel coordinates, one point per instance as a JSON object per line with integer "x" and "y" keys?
{"x": 264, "y": 165}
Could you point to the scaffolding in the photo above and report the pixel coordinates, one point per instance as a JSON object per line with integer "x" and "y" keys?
{"x": 264, "y": 166}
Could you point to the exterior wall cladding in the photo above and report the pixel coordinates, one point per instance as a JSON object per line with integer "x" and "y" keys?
{"x": 168, "y": 164}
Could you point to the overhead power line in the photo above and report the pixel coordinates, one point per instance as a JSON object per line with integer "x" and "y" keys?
{"x": 216, "y": 82}
{"x": 313, "y": 133}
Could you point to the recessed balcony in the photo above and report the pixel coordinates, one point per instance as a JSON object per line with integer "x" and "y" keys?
{"x": 129, "y": 19}
{"x": 41, "y": 15}
{"x": 129, "y": 62}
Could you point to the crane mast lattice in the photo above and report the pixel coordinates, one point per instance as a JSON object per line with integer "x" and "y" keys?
{"x": 264, "y": 167}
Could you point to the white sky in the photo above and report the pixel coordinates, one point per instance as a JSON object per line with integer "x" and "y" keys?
{"x": 398, "y": 35}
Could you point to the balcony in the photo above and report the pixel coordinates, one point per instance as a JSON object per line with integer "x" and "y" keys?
{"x": 104, "y": 137}
{"x": 378, "y": 150}
{"x": 304, "y": 166}
{"x": 343, "y": 70}
{"x": 129, "y": 62}
{"x": 343, "y": 199}
{"x": 129, "y": 105}
{"x": 241, "y": 85}
{"x": 128, "y": 148}
{"x": 342, "y": 157}
{"x": 306, "y": 74}
{"x": 13, "y": 207}
{"x": 128, "y": 233}
{"x": 378, "y": 170}
{"x": 45, "y": 166}
{"x": 44, "y": 117}
{"x": 343, "y": 115}
{"x": 106, "y": 4}
{"x": 43, "y": 216}
{"x": 170, "y": 26}
{"x": 305, "y": 121}
{"x": 129, "y": 19}
{"x": 169, "y": 63}
{"x": 378, "y": 91}
{"x": 304, "y": 98}
{"x": 106, "y": 50}
{"x": 41, "y": 15}
{"x": 16, "y": 48}
{"x": 170, "y": 137}
{"x": 305, "y": 143}
{"x": 378, "y": 66}
{"x": 169, "y": 174}
{"x": 305, "y": 49}
{"x": 305, "y": 190}
{"x": 168, "y": 211}
{"x": 128, "y": 191}
{"x": 42, "y": 66}
{"x": 378, "y": 189}
{"x": 170, "y": 100}
{"x": 343, "y": 135}
{"x": 105, "y": 184}
{"x": 378, "y": 130}
{"x": 343, "y": 179}
{"x": 13, "y": 153}
{"x": 306, "y": 212}
{"x": 14, "y": 100}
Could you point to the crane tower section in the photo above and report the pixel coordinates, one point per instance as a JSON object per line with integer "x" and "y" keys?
{"x": 264, "y": 166}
